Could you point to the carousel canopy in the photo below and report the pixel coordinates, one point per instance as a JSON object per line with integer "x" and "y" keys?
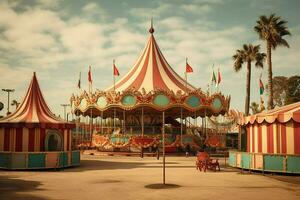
{"x": 33, "y": 111}
{"x": 282, "y": 115}
{"x": 153, "y": 86}
{"x": 151, "y": 71}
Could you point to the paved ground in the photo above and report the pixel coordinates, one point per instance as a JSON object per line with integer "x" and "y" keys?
{"x": 104, "y": 177}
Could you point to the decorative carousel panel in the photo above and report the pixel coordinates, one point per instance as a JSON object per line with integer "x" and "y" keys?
{"x": 128, "y": 100}
{"x": 161, "y": 100}
{"x": 217, "y": 103}
{"x": 193, "y": 101}
{"x": 102, "y": 102}
{"x": 83, "y": 104}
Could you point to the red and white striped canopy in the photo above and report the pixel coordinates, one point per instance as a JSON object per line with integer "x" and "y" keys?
{"x": 152, "y": 71}
{"x": 33, "y": 111}
{"x": 282, "y": 115}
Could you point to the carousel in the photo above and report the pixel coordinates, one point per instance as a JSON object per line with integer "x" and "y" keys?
{"x": 149, "y": 102}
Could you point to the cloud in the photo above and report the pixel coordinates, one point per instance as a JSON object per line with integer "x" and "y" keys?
{"x": 59, "y": 44}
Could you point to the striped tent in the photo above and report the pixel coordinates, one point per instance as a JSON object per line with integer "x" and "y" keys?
{"x": 27, "y": 128}
{"x": 152, "y": 71}
{"x": 276, "y": 131}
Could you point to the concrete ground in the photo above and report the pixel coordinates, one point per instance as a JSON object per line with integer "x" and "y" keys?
{"x": 120, "y": 177}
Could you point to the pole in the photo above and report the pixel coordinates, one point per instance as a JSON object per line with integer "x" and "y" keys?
{"x": 101, "y": 122}
{"x": 163, "y": 143}
{"x": 8, "y": 95}
{"x": 114, "y": 75}
{"x": 181, "y": 126}
{"x": 143, "y": 121}
{"x": 91, "y": 127}
{"x": 65, "y": 107}
{"x": 124, "y": 120}
{"x": 114, "y": 119}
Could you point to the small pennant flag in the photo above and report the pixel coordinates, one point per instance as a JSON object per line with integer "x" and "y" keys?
{"x": 261, "y": 87}
{"x": 90, "y": 75}
{"x": 79, "y": 81}
{"x": 219, "y": 77}
{"x": 214, "y": 79}
{"x": 188, "y": 68}
{"x": 116, "y": 71}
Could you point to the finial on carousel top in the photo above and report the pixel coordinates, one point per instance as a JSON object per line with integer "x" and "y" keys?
{"x": 151, "y": 30}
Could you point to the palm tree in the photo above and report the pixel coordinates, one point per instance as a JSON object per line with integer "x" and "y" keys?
{"x": 271, "y": 29}
{"x": 248, "y": 54}
{"x": 15, "y": 103}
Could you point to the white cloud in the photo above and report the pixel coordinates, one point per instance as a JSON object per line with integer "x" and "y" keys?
{"x": 43, "y": 39}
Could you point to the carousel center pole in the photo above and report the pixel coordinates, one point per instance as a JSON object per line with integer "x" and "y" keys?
{"x": 163, "y": 143}
{"x": 181, "y": 126}
{"x": 143, "y": 121}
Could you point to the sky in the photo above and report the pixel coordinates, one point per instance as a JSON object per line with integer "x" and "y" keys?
{"x": 59, "y": 39}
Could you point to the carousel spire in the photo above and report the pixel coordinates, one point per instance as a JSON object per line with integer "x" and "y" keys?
{"x": 151, "y": 30}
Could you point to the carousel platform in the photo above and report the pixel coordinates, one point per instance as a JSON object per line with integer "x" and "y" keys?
{"x": 39, "y": 160}
{"x": 282, "y": 163}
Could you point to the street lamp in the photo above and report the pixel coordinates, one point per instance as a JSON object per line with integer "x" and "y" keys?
{"x": 8, "y": 92}
{"x": 65, "y": 106}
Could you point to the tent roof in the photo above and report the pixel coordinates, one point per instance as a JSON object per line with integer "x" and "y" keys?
{"x": 151, "y": 71}
{"x": 33, "y": 111}
{"x": 281, "y": 114}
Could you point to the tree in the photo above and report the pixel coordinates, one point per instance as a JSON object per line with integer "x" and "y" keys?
{"x": 286, "y": 90}
{"x": 248, "y": 54}
{"x": 280, "y": 86}
{"x": 293, "y": 90}
{"x": 15, "y": 103}
{"x": 271, "y": 29}
{"x": 255, "y": 108}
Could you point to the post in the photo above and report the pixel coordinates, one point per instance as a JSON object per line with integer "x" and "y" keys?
{"x": 91, "y": 127}
{"x": 163, "y": 143}
{"x": 102, "y": 122}
{"x": 143, "y": 121}
{"x": 124, "y": 120}
{"x": 8, "y": 93}
{"x": 76, "y": 123}
{"x": 186, "y": 88}
{"x": 114, "y": 119}
{"x": 181, "y": 126}
{"x": 114, "y": 75}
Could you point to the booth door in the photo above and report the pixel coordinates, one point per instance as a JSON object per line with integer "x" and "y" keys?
{"x": 53, "y": 141}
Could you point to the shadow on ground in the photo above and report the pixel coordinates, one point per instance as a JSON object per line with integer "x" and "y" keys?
{"x": 13, "y": 188}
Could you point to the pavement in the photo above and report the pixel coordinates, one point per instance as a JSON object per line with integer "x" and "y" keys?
{"x": 122, "y": 178}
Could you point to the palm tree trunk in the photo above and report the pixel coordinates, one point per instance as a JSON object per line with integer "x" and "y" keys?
{"x": 247, "y": 102}
{"x": 270, "y": 77}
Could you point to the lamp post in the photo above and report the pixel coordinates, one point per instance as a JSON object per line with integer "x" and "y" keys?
{"x": 8, "y": 92}
{"x": 65, "y": 106}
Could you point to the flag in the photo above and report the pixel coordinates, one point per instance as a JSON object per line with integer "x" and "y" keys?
{"x": 90, "y": 75}
{"x": 214, "y": 79}
{"x": 261, "y": 87}
{"x": 116, "y": 71}
{"x": 219, "y": 77}
{"x": 79, "y": 81}
{"x": 188, "y": 68}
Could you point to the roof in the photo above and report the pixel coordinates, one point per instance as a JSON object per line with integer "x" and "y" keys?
{"x": 152, "y": 71}
{"x": 281, "y": 114}
{"x": 33, "y": 111}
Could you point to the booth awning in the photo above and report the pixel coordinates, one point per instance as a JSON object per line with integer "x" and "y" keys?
{"x": 282, "y": 115}
{"x": 33, "y": 111}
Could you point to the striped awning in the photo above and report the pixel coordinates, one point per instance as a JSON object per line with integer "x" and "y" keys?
{"x": 282, "y": 115}
{"x": 33, "y": 111}
{"x": 151, "y": 71}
